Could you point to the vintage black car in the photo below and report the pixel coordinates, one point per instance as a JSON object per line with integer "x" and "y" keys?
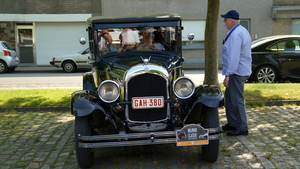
{"x": 137, "y": 94}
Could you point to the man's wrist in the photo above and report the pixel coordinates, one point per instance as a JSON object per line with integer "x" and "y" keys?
{"x": 227, "y": 75}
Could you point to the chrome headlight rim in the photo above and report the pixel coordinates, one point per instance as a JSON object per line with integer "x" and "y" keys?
{"x": 116, "y": 87}
{"x": 191, "y": 90}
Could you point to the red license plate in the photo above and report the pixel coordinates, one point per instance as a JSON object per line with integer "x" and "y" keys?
{"x": 147, "y": 102}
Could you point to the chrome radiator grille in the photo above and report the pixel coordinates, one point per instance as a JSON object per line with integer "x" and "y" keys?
{"x": 142, "y": 86}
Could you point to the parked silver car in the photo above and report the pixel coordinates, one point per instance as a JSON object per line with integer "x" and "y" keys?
{"x": 71, "y": 62}
{"x": 8, "y": 58}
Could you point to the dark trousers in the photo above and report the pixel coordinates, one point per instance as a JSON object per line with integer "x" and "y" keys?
{"x": 234, "y": 103}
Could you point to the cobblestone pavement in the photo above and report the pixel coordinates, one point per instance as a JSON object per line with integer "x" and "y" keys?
{"x": 45, "y": 140}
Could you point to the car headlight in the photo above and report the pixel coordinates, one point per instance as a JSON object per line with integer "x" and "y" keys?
{"x": 109, "y": 91}
{"x": 183, "y": 87}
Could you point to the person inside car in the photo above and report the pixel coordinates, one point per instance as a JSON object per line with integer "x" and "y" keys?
{"x": 129, "y": 40}
{"x": 104, "y": 41}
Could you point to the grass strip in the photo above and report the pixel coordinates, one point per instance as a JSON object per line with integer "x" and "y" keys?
{"x": 256, "y": 93}
{"x": 35, "y": 97}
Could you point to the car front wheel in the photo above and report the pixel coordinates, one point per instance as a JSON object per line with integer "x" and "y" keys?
{"x": 69, "y": 67}
{"x": 265, "y": 74}
{"x": 210, "y": 119}
{"x": 85, "y": 156}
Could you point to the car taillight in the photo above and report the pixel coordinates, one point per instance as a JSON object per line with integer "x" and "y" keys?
{"x": 6, "y": 53}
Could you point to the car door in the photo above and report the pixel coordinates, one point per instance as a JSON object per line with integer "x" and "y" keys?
{"x": 83, "y": 59}
{"x": 289, "y": 57}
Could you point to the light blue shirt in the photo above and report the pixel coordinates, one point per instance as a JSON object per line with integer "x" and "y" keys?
{"x": 236, "y": 53}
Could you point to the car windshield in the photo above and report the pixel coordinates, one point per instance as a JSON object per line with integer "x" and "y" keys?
{"x": 162, "y": 38}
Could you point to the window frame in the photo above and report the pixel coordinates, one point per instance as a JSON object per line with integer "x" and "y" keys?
{"x": 200, "y": 43}
{"x": 198, "y": 29}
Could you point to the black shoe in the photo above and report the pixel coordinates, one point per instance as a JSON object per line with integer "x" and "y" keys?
{"x": 238, "y": 133}
{"x": 227, "y": 128}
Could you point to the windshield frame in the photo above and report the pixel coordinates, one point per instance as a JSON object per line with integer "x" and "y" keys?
{"x": 136, "y": 23}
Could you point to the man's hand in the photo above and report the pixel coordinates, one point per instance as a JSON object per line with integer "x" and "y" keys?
{"x": 226, "y": 80}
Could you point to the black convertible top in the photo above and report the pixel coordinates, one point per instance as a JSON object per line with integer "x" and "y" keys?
{"x": 133, "y": 18}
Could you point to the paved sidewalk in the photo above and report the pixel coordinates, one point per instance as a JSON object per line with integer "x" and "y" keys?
{"x": 45, "y": 140}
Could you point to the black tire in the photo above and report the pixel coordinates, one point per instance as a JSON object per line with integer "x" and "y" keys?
{"x": 69, "y": 67}
{"x": 3, "y": 67}
{"x": 266, "y": 74}
{"x": 210, "y": 119}
{"x": 84, "y": 156}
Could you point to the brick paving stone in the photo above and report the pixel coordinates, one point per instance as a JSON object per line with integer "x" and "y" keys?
{"x": 33, "y": 165}
{"x": 256, "y": 165}
{"x": 45, "y": 140}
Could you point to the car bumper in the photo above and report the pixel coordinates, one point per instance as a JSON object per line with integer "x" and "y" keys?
{"x": 53, "y": 64}
{"x": 137, "y": 139}
{"x": 12, "y": 62}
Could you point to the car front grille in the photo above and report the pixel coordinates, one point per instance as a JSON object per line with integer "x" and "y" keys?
{"x": 142, "y": 86}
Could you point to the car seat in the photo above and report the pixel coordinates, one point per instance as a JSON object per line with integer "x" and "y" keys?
{"x": 289, "y": 46}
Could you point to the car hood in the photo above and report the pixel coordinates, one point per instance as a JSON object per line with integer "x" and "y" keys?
{"x": 121, "y": 62}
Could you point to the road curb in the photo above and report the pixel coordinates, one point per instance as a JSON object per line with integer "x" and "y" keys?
{"x": 275, "y": 102}
{"x": 36, "y": 109}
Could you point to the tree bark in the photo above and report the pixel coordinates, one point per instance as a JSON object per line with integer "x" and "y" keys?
{"x": 211, "y": 47}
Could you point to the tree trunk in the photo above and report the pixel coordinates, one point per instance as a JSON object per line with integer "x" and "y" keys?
{"x": 211, "y": 47}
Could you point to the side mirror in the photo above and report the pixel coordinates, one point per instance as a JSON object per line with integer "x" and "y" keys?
{"x": 82, "y": 41}
{"x": 191, "y": 36}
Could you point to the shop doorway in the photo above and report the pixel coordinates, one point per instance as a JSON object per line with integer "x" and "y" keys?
{"x": 25, "y": 44}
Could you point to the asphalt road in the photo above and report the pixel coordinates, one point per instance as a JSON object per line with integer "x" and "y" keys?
{"x": 51, "y": 77}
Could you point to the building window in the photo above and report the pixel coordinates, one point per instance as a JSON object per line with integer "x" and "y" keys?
{"x": 296, "y": 27}
{"x": 246, "y": 23}
{"x": 196, "y": 27}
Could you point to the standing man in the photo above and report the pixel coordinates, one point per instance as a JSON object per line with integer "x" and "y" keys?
{"x": 236, "y": 55}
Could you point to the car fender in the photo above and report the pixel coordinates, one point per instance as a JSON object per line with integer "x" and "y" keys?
{"x": 67, "y": 59}
{"x": 4, "y": 60}
{"x": 269, "y": 60}
{"x": 206, "y": 95}
{"x": 88, "y": 82}
{"x": 209, "y": 95}
{"x": 83, "y": 104}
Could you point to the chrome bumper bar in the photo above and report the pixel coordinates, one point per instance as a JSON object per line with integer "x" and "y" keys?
{"x": 136, "y": 139}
